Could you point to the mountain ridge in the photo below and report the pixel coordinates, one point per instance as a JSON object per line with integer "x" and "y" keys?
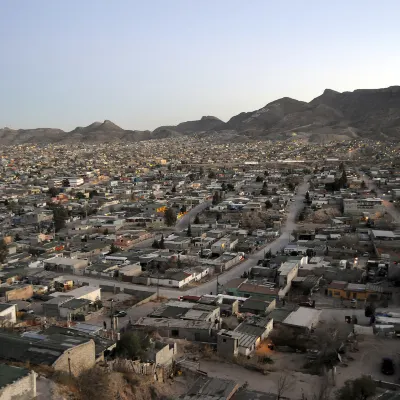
{"x": 369, "y": 113}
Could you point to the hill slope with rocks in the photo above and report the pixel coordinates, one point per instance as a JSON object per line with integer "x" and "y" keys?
{"x": 363, "y": 113}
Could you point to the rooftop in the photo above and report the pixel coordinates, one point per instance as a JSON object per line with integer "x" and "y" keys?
{"x": 10, "y": 374}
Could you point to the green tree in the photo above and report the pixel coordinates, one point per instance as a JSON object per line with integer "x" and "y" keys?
{"x": 170, "y": 217}
{"x": 358, "y": 389}
{"x": 161, "y": 244}
{"x": 60, "y": 215}
{"x": 155, "y": 244}
{"x": 266, "y": 173}
{"x": 173, "y": 190}
{"x": 189, "y": 230}
{"x": 93, "y": 193}
{"x": 66, "y": 182}
{"x": 223, "y": 186}
{"x": 196, "y": 219}
{"x": 53, "y": 192}
{"x": 363, "y": 185}
{"x": 230, "y": 187}
{"x": 114, "y": 249}
{"x": 130, "y": 346}
{"x": 264, "y": 191}
{"x": 80, "y": 196}
{"x": 259, "y": 179}
{"x": 268, "y": 204}
{"x": 216, "y": 198}
{"x": 3, "y": 251}
{"x": 212, "y": 175}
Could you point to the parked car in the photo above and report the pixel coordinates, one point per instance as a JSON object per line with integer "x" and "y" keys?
{"x": 119, "y": 314}
{"x": 387, "y": 366}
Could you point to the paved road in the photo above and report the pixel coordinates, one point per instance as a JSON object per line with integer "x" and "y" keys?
{"x": 234, "y": 272}
{"x": 388, "y": 205}
{"x": 184, "y": 221}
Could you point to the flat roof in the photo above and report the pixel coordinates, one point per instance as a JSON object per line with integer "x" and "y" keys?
{"x": 10, "y": 374}
{"x": 172, "y": 323}
{"x": 303, "y": 317}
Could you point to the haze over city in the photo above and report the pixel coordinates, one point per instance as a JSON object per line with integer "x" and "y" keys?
{"x": 146, "y": 64}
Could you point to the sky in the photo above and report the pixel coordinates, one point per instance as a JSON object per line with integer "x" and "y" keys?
{"x": 143, "y": 64}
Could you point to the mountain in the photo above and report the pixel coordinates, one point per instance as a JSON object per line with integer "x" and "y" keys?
{"x": 369, "y": 113}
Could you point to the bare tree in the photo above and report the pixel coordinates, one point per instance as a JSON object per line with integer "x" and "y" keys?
{"x": 285, "y": 382}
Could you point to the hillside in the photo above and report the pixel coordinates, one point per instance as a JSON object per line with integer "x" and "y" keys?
{"x": 370, "y": 113}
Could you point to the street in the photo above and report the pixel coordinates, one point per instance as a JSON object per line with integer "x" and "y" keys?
{"x": 234, "y": 272}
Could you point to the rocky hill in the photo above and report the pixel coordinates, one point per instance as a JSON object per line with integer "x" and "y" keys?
{"x": 371, "y": 113}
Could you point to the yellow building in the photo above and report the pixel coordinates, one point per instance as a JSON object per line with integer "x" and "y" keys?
{"x": 357, "y": 291}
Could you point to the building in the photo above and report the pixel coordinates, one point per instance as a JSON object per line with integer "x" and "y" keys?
{"x": 199, "y": 331}
{"x": 361, "y": 206}
{"x": 61, "y": 352}
{"x": 303, "y": 319}
{"x": 16, "y": 292}
{"x": 84, "y": 292}
{"x": 17, "y": 383}
{"x": 344, "y": 290}
{"x": 68, "y": 265}
{"x": 257, "y": 306}
{"x": 8, "y": 313}
{"x": 211, "y": 389}
{"x": 228, "y": 343}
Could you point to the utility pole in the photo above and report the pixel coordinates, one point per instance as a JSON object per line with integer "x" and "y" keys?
{"x": 69, "y": 365}
{"x": 217, "y": 286}
{"x": 112, "y": 315}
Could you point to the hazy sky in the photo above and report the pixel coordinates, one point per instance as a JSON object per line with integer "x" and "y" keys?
{"x": 147, "y": 63}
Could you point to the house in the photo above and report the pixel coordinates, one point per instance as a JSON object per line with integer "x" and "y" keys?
{"x": 337, "y": 289}
{"x": 8, "y": 313}
{"x": 357, "y": 291}
{"x": 161, "y": 353}
{"x": 303, "y": 319}
{"x": 61, "y": 352}
{"x": 128, "y": 271}
{"x": 257, "y": 306}
{"x": 68, "y": 265}
{"x": 17, "y": 383}
{"x": 243, "y": 288}
{"x": 84, "y": 292}
{"x": 223, "y": 245}
{"x": 200, "y": 331}
{"x": 16, "y": 292}
{"x": 228, "y": 343}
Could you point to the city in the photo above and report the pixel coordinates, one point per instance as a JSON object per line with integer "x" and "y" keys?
{"x": 283, "y": 267}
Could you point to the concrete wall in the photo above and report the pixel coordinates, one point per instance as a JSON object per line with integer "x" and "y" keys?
{"x": 227, "y": 346}
{"x": 22, "y": 389}
{"x": 20, "y": 293}
{"x": 10, "y": 314}
{"x": 166, "y": 354}
{"x": 82, "y": 357}
{"x": 110, "y": 288}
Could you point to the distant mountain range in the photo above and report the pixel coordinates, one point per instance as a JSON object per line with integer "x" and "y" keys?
{"x": 364, "y": 113}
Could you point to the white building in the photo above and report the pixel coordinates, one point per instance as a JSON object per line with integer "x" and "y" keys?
{"x": 360, "y": 206}
{"x": 8, "y": 313}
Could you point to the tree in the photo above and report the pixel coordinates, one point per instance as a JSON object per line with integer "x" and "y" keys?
{"x": 53, "y": 192}
{"x": 173, "y": 190}
{"x": 196, "y": 219}
{"x": 369, "y": 310}
{"x": 80, "y": 196}
{"x": 170, "y": 217}
{"x": 17, "y": 237}
{"x": 264, "y": 191}
{"x": 60, "y": 215}
{"x": 216, "y": 198}
{"x": 155, "y": 244}
{"x": 66, "y": 182}
{"x": 230, "y": 187}
{"x": 130, "y": 346}
{"x": 3, "y": 251}
{"x": 291, "y": 186}
{"x": 212, "y": 175}
{"x": 307, "y": 197}
{"x": 161, "y": 242}
{"x": 93, "y": 193}
{"x": 189, "y": 231}
{"x": 266, "y": 173}
{"x": 223, "y": 186}
{"x": 259, "y": 179}
{"x": 358, "y": 389}
{"x": 284, "y": 383}
{"x": 113, "y": 249}
{"x": 363, "y": 185}
{"x": 268, "y": 204}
